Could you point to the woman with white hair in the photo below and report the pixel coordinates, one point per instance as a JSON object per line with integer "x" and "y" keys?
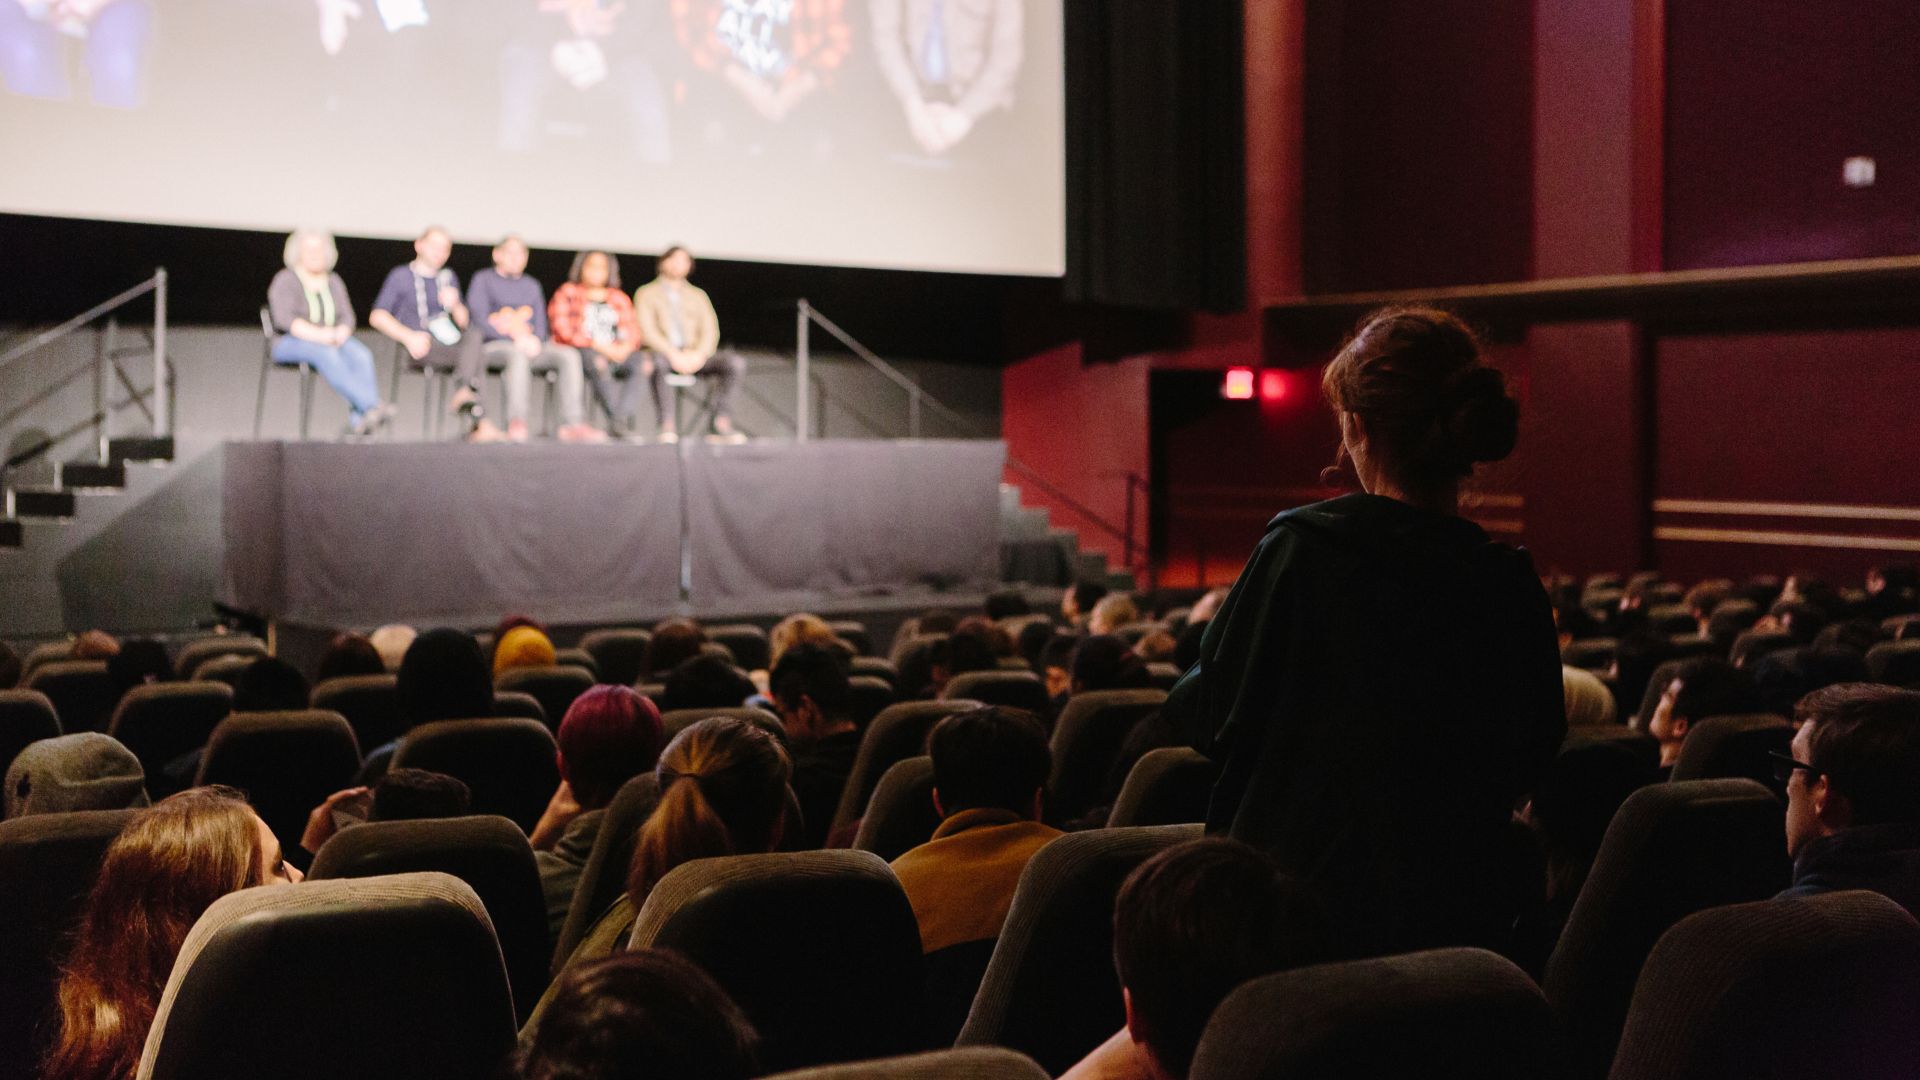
{"x": 314, "y": 319}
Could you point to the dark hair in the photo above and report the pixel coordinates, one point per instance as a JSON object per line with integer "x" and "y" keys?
{"x": 1058, "y": 651}
{"x": 609, "y": 736}
{"x": 989, "y": 757}
{"x": 668, "y": 254}
{"x": 1709, "y": 686}
{"x": 1857, "y": 635}
{"x": 580, "y": 260}
{"x": 1574, "y": 802}
{"x": 705, "y": 681}
{"x": 968, "y": 648}
{"x": 349, "y": 654}
{"x": 444, "y": 677}
{"x": 1006, "y": 604}
{"x": 1032, "y": 643}
{"x": 1866, "y": 738}
{"x": 996, "y": 638}
{"x": 672, "y": 643}
{"x": 723, "y": 791}
{"x": 1432, "y": 408}
{"x": 414, "y": 794}
{"x": 140, "y": 660}
{"x": 269, "y": 684}
{"x": 1086, "y": 594}
{"x": 1193, "y": 923}
{"x": 1800, "y": 618}
{"x": 1730, "y": 619}
{"x": 1782, "y": 677}
{"x": 815, "y": 671}
{"x": 1706, "y": 597}
{"x": 1105, "y": 662}
{"x": 645, "y": 1013}
{"x": 936, "y": 622}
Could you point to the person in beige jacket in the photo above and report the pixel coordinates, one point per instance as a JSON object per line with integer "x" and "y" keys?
{"x": 679, "y": 328}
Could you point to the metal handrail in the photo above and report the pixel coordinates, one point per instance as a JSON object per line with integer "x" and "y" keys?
{"x": 49, "y": 336}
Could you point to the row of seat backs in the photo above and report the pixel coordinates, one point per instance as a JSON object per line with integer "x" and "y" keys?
{"x": 186, "y": 663}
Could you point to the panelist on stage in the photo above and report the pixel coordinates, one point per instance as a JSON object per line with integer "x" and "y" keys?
{"x": 510, "y": 329}
{"x": 419, "y": 307}
{"x": 679, "y": 327}
{"x": 592, "y": 314}
{"x": 308, "y": 305}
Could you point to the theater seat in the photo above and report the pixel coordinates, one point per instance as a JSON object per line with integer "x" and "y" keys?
{"x": 1657, "y": 684}
{"x": 866, "y": 697}
{"x": 387, "y": 978}
{"x": 489, "y": 853}
{"x": 161, "y": 721}
{"x": 25, "y": 716}
{"x": 900, "y": 816}
{"x": 508, "y": 763}
{"x": 1779, "y": 990}
{"x": 371, "y": 704}
{"x": 227, "y": 668}
{"x": 855, "y": 634}
{"x": 678, "y": 720}
{"x": 195, "y": 653}
{"x": 820, "y": 949}
{"x": 286, "y": 762}
{"x": 898, "y": 732}
{"x": 578, "y": 657}
{"x": 1896, "y": 663}
{"x": 1671, "y": 619}
{"x": 1751, "y": 645}
{"x": 746, "y": 642}
{"x": 553, "y": 687}
{"x": 1086, "y": 742}
{"x": 1163, "y": 676}
{"x": 1441, "y": 1013}
{"x": 521, "y": 704}
{"x": 44, "y": 653}
{"x": 82, "y": 692}
{"x": 604, "y": 876}
{"x": 1672, "y": 849}
{"x": 967, "y": 1063}
{"x": 48, "y": 863}
{"x": 1016, "y": 689}
{"x": 619, "y": 652}
{"x": 875, "y": 667}
{"x": 1730, "y": 747}
{"x": 1591, "y": 654}
{"x": 1050, "y": 991}
{"x": 1168, "y": 786}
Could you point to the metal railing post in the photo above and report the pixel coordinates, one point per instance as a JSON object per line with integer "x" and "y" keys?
{"x": 913, "y": 413}
{"x": 801, "y": 361}
{"x": 162, "y": 385}
{"x": 102, "y": 349}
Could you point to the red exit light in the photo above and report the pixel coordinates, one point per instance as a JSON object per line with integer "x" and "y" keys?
{"x": 1238, "y": 385}
{"x": 1273, "y": 385}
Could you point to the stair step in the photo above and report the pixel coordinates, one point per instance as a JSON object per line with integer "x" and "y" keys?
{"x": 93, "y": 476}
{"x": 11, "y": 533}
{"x": 141, "y": 448}
{"x": 42, "y": 503}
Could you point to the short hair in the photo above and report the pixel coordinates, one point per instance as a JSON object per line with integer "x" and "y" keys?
{"x": 417, "y": 794}
{"x": 815, "y": 671}
{"x": 511, "y": 238}
{"x": 672, "y": 249}
{"x": 1707, "y": 596}
{"x": 1116, "y": 610}
{"x": 430, "y": 230}
{"x": 1193, "y": 923}
{"x": 1730, "y": 619}
{"x": 998, "y": 641}
{"x": 1058, "y": 651}
{"x": 1782, "y": 677}
{"x": 140, "y": 660}
{"x": 349, "y": 654}
{"x": 1032, "y": 642}
{"x": 990, "y": 757}
{"x": 1104, "y": 662}
{"x": 290, "y": 252}
{"x": 1086, "y": 594}
{"x": 609, "y": 735}
{"x": 1866, "y": 739}
{"x": 580, "y": 260}
{"x": 1801, "y": 618}
{"x": 674, "y": 641}
{"x": 705, "y": 681}
{"x": 270, "y": 684}
{"x": 965, "y": 650}
{"x": 1709, "y": 686}
{"x": 644, "y": 1013}
{"x": 1007, "y": 603}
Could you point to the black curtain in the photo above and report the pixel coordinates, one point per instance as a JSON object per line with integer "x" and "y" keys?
{"x": 1156, "y": 174}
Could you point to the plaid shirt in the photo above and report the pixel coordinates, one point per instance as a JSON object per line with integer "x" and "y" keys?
{"x": 567, "y": 313}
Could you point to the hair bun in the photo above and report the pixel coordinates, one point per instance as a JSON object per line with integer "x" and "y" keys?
{"x": 1481, "y": 421}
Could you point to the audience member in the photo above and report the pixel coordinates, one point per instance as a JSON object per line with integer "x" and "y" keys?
{"x": 1007, "y": 604}
{"x": 1190, "y": 926}
{"x": 82, "y": 771}
{"x": 1077, "y": 603}
{"x": 348, "y": 655}
{"x": 1587, "y": 698}
{"x": 270, "y": 684}
{"x": 1892, "y": 589}
{"x": 1569, "y": 812}
{"x": 1782, "y": 677}
{"x": 391, "y": 642}
{"x": 443, "y": 677}
{"x": 609, "y": 736}
{"x": 1156, "y": 648}
{"x": 706, "y": 681}
{"x": 139, "y": 661}
{"x": 94, "y": 645}
{"x": 1800, "y": 618}
{"x": 801, "y": 629}
{"x": 522, "y": 647}
{"x": 999, "y": 643}
{"x": 1853, "y": 806}
{"x": 1705, "y": 598}
{"x": 809, "y": 688}
{"x": 1112, "y": 612}
{"x": 399, "y": 795}
{"x": 1364, "y": 747}
{"x": 649, "y": 1013}
{"x": 1056, "y": 667}
{"x": 163, "y": 870}
{"x": 1729, "y": 620}
{"x": 1704, "y": 686}
{"x": 1032, "y": 641}
{"x": 674, "y": 642}
{"x": 1104, "y": 662}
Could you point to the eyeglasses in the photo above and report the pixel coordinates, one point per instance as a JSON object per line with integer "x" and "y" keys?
{"x": 1784, "y": 764}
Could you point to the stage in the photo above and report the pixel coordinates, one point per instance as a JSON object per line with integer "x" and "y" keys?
{"x": 352, "y": 535}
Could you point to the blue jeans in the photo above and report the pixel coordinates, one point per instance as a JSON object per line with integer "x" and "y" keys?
{"x": 347, "y": 368}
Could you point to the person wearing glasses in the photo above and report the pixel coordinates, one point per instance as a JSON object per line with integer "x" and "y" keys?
{"x": 1853, "y": 792}
{"x": 1382, "y": 686}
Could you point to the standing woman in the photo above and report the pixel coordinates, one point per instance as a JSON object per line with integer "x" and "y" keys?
{"x": 592, "y": 314}
{"x": 1383, "y": 683}
{"x": 308, "y": 304}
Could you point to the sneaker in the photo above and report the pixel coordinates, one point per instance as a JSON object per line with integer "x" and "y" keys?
{"x": 581, "y": 433}
{"x": 485, "y": 432}
{"x": 669, "y": 437}
{"x": 727, "y": 438}
{"x": 517, "y": 431}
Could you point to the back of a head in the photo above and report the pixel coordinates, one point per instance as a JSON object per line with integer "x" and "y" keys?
{"x": 1193, "y": 923}
{"x": 998, "y": 641}
{"x": 819, "y": 672}
{"x": 674, "y": 641}
{"x": 349, "y": 654}
{"x": 522, "y": 647}
{"x": 270, "y": 684}
{"x": 1782, "y": 677}
{"x": 1114, "y": 611}
{"x": 417, "y": 794}
{"x": 705, "y": 681}
{"x": 1730, "y": 619}
{"x": 1105, "y": 662}
{"x": 1057, "y": 652}
{"x": 723, "y": 791}
{"x": 938, "y": 622}
{"x": 140, "y": 661}
{"x": 95, "y": 645}
{"x": 609, "y": 736}
{"x": 1006, "y": 604}
{"x": 1706, "y": 597}
{"x": 1801, "y": 618}
{"x": 1866, "y": 739}
{"x": 391, "y": 642}
{"x": 645, "y": 1013}
{"x": 1032, "y": 643}
{"x": 799, "y": 629}
{"x": 969, "y": 648}
{"x": 1087, "y": 595}
{"x": 1431, "y": 406}
{"x": 1709, "y": 686}
{"x": 444, "y": 677}
{"x": 83, "y": 771}
{"x": 992, "y": 757}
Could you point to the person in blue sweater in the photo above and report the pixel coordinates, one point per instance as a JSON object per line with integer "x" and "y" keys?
{"x": 509, "y": 320}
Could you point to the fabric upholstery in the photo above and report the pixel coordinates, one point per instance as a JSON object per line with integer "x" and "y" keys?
{"x": 522, "y": 704}
{"x": 678, "y": 720}
{"x": 225, "y": 668}
{"x": 1895, "y": 662}
{"x": 161, "y": 721}
{"x": 82, "y": 771}
{"x": 195, "y": 653}
{"x": 966, "y": 1063}
{"x": 898, "y": 732}
{"x": 1168, "y": 786}
{"x": 286, "y": 762}
{"x": 900, "y": 816}
{"x": 82, "y": 692}
{"x": 748, "y": 644}
{"x": 508, "y": 763}
{"x": 25, "y": 716}
{"x": 371, "y": 704}
{"x": 1086, "y": 742}
{"x": 619, "y": 652}
{"x": 604, "y": 877}
{"x": 867, "y": 697}
{"x": 1726, "y": 747}
{"x": 553, "y": 687}
{"x": 1016, "y": 689}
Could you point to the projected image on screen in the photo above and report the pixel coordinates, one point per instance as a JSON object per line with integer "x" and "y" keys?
{"x": 921, "y": 134}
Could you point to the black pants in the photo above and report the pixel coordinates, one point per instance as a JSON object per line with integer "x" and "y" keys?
{"x": 614, "y": 386}
{"x": 722, "y": 372}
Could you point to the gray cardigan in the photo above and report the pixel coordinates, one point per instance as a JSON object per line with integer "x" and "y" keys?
{"x": 287, "y": 301}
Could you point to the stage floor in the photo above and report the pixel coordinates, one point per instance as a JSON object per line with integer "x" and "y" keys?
{"x": 330, "y": 534}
